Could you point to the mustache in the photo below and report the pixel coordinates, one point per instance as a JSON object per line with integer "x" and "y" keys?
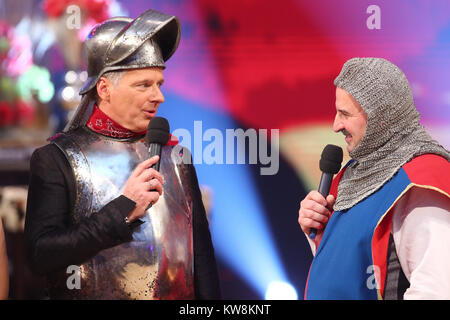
{"x": 345, "y": 132}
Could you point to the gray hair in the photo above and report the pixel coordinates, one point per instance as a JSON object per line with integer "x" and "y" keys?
{"x": 113, "y": 76}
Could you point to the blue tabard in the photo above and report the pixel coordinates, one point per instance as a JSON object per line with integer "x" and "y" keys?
{"x": 343, "y": 266}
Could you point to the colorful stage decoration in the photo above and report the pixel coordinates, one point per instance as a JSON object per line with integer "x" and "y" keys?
{"x": 70, "y": 22}
{"x": 22, "y": 83}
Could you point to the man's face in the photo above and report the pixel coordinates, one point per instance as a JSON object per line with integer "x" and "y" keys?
{"x": 134, "y": 100}
{"x": 350, "y": 118}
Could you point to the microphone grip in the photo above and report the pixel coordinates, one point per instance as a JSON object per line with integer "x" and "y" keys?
{"x": 325, "y": 184}
{"x": 324, "y": 190}
{"x": 154, "y": 150}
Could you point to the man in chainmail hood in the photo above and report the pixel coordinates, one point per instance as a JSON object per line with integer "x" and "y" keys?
{"x": 385, "y": 227}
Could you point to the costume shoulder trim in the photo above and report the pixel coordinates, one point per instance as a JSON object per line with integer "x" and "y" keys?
{"x": 429, "y": 170}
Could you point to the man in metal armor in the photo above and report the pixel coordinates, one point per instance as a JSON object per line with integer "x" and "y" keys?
{"x": 101, "y": 222}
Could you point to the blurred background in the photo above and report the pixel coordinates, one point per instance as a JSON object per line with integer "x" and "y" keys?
{"x": 240, "y": 64}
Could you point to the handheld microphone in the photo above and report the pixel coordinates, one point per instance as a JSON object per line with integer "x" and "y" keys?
{"x": 329, "y": 164}
{"x": 157, "y": 136}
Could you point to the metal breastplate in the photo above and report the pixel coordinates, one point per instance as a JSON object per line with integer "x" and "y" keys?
{"x": 158, "y": 262}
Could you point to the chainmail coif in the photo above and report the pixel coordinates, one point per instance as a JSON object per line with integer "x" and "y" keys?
{"x": 393, "y": 134}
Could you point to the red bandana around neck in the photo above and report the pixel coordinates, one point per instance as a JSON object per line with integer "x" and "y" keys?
{"x": 99, "y": 122}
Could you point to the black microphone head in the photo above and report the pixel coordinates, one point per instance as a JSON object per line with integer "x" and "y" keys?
{"x": 158, "y": 131}
{"x": 331, "y": 159}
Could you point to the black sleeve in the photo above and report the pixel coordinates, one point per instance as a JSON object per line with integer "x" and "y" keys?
{"x": 53, "y": 240}
{"x": 206, "y": 277}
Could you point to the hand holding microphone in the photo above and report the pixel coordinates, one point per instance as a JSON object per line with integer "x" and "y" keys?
{"x": 315, "y": 208}
{"x": 145, "y": 184}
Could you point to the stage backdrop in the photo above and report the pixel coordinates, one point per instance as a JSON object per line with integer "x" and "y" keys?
{"x": 264, "y": 70}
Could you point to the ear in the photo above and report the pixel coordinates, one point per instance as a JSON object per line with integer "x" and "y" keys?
{"x": 103, "y": 89}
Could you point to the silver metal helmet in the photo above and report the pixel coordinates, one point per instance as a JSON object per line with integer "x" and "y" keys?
{"x": 121, "y": 43}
